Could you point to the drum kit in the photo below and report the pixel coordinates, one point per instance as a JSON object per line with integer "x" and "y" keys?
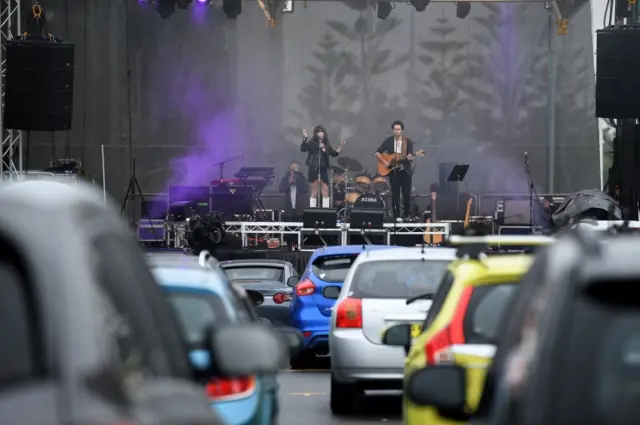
{"x": 353, "y": 187}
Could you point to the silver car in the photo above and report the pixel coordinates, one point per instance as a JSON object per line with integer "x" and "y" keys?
{"x": 374, "y": 296}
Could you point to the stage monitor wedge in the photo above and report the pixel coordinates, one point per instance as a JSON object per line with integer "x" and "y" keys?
{"x": 320, "y": 218}
{"x": 366, "y": 219}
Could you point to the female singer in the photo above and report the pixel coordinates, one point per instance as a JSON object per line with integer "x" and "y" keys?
{"x": 318, "y": 151}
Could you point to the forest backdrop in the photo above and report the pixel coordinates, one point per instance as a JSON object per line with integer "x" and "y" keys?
{"x": 205, "y": 88}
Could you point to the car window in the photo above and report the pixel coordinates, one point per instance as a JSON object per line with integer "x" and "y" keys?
{"x": 197, "y": 311}
{"x": 20, "y": 342}
{"x": 484, "y": 316}
{"x": 255, "y": 272}
{"x": 333, "y": 268}
{"x": 599, "y": 364}
{"x": 397, "y": 279}
{"x": 438, "y": 299}
{"x": 137, "y": 341}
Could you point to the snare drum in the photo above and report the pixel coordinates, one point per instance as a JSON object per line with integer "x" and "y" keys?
{"x": 370, "y": 201}
{"x": 362, "y": 183}
{"x": 380, "y": 184}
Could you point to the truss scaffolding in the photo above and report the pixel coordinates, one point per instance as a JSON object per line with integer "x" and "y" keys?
{"x": 11, "y": 147}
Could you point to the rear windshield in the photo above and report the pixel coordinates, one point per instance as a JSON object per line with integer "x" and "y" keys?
{"x": 397, "y": 279}
{"x": 255, "y": 273}
{"x": 197, "y": 311}
{"x": 599, "y": 366}
{"x": 485, "y": 313}
{"x": 333, "y": 268}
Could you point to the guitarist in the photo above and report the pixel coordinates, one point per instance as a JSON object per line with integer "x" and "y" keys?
{"x": 400, "y": 178}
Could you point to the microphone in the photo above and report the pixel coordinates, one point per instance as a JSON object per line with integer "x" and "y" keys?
{"x": 526, "y": 158}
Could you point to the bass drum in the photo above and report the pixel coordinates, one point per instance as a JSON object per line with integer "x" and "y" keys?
{"x": 369, "y": 201}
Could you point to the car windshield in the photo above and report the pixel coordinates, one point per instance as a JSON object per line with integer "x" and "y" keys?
{"x": 256, "y": 272}
{"x": 484, "y": 315}
{"x": 333, "y": 268}
{"x": 397, "y": 278}
{"x": 197, "y": 311}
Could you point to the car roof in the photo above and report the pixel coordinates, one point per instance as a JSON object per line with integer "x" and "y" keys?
{"x": 191, "y": 278}
{"x": 256, "y": 262}
{"x": 484, "y": 271}
{"x": 409, "y": 253}
{"x": 173, "y": 260}
{"x": 347, "y": 249}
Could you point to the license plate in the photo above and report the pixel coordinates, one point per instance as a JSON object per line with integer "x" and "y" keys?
{"x": 416, "y": 330}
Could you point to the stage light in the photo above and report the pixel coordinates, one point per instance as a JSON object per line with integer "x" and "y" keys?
{"x": 462, "y": 9}
{"x": 183, "y": 4}
{"x": 165, "y": 8}
{"x": 288, "y": 6}
{"x": 232, "y": 8}
{"x": 420, "y": 5}
{"x": 202, "y": 2}
{"x": 384, "y": 10}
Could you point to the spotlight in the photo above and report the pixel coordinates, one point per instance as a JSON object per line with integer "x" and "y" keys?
{"x": 462, "y": 9}
{"x": 183, "y": 4}
{"x": 165, "y": 8}
{"x": 420, "y": 5}
{"x": 384, "y": 10}
{"x": 232, "y": 8}
{"x": 203, "y": 2}
{"x": 205, "y": 232}
{"x": 288, "y": 6}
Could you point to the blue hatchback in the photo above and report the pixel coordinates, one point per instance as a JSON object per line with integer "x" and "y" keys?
{"x": 310, "y": 309}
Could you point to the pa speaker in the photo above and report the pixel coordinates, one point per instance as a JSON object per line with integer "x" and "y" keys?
{"x": 366, "y": 219}
{"x": 618, "y": 67}
{"x": 39, "y": 85}
{"x": 320, "y": 218}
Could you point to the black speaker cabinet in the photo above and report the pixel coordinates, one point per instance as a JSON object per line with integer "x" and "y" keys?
{"x": 444, "y": 169}
{"x": 38, "y": 85}
{"x": 320, "y": 218}
{"x": 617, "y": 71}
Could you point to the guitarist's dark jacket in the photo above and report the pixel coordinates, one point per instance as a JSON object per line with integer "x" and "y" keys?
{"x": 389, "y": 146}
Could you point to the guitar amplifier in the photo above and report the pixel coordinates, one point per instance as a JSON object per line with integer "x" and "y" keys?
{"x": 232, "y": 200}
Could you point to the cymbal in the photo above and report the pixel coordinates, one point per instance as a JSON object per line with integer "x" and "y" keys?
{"x": 336, "y": 169}
{"x": 349, "y": 163}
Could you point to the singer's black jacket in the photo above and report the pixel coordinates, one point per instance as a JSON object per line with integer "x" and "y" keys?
{"x": 312, "y": 148}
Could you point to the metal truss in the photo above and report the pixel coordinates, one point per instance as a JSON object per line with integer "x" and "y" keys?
{"x": 11, "y": 145}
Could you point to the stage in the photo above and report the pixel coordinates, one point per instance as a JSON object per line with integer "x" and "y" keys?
{"x": 293, "y": 235}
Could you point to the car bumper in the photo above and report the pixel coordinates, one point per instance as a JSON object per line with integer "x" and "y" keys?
{"x": 356, "y": 359}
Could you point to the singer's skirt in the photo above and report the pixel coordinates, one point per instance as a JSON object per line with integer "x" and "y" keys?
{"x": 312, "y": 177}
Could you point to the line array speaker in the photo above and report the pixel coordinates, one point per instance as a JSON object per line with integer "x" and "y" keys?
{"x": 39, "y": 85}
{"x": 617, "y": 71}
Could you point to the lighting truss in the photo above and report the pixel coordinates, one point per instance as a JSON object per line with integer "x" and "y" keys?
{"x": 11, "y": 139}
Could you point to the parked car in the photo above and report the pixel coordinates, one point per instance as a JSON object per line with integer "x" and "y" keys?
{"x": 375, "y": 295}
{"x": 463, "y": 323}
{"x": 275, "y": 302}
{"x": 89, "y": 336}
{"x": 310, "y": 309}
{"x": 580, "y": 334}
{"x": 258, "y": 269}
{"x": 203, "y": 297}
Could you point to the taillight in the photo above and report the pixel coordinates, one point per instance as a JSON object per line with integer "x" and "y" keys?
{"x": 438, "y": 348}
{"x": 281, "y": 297}
{"x": 349, "y": 313}
{"x": 304, "y": 288}
{"x": 222, "y": 388}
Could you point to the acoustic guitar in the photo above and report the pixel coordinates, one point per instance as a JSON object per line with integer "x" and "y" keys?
{"x": 394, "y": 160}
{"x": 432, "y": 239}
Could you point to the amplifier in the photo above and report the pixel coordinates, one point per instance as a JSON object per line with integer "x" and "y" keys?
{"x": 151, "y": 230}
{"x": 232, "y": 200}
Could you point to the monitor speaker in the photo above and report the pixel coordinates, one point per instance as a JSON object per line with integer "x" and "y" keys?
{"x": 38, "y": 85}
{"x": 618, "y": 67}
{"x": 320, "y": 218}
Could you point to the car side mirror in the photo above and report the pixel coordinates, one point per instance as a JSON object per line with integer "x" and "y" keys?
{"x": 247, "y": 349}
{"x": 256, "y": 297}
{"x": 293, "y": 281}
{"x": 292, "y": 337}
{"x": 441, "y": 386}
{"x": 331, "y": 292}
{"x": 397, "y": 335}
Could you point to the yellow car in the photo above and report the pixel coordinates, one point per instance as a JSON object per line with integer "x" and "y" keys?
{"x": 461, "y": 325}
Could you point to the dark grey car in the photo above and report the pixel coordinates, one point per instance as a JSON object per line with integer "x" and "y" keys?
{"x": 87, "y": 335}
{"x": 271, "y": 270}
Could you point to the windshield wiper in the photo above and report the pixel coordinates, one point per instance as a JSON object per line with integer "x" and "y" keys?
{"x": 428, "y": 296}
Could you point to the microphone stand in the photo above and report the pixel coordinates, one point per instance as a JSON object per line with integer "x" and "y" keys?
{"x": 319, "y": 176}
{"x": 221, "y": 164}
{"x": 531, "y": 190}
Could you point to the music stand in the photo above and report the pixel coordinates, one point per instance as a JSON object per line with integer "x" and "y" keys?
{"x": 457, "y": 175}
